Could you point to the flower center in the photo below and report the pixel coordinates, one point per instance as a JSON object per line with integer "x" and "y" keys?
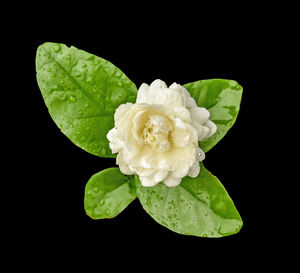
{"x": 157, "y": 133}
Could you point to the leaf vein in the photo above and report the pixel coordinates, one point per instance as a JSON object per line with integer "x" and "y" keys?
{"x": 77, "y": 84}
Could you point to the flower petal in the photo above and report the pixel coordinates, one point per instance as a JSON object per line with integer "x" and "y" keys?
{"x": 171, "y": 181}
{"x": 158, "y": 93}
{"x": 160, "y": 175}
{"x": 156, "y": 85}
{"x": 182, "y": 172}
{"x": 145, "y": 172}
{"x": 142, "y": 95}
{"x": 190, "y": 102}
{"x": 147, "y": 181}
{"x": 124, "y": 168}
{"x": 139, "y": 122}
{"x": 200, "y": 155}
{"x": 180, "y": 135}
{"x": 212, "y": 128}
{"x": 121, "y": 112}
{"x": 194, "y": 170}
{"x": 193, "y": 134}
{"x": 199, "y": 114}
{"x": 201, "y": 130}
{"x": 114, "y": 143}
{"x": 182, "y": 113}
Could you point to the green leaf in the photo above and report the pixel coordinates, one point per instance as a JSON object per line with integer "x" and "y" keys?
{"x": 82, "y": 92}
{"x": 222, "y": 98}
{"x": 198, "y": 206}
{"x": 107, "y": 193}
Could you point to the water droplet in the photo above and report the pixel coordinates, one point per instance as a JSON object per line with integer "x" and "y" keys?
{"x": 120, "y": 83}
{"x": 80, "y": 112}
{"x": 107, "y": 212}
{"x": 173, "y": 224}
{"x": 103, "y": 150}
{"x": 83, "y": 65}
{"x": 102, "y": 202}
{"x": 68, "y": 57}
{"x": 118, "y": 73}
{"x": 57, "y": 48}
{"x": 49, "y": 69}
{"x": 86, "y": 105}
{"x": 90, "y": 58}
{"x": 94, "y": 146}
{"x": 233, "y": 83}
{"x": 88, "y": 128}
{"x": 52, "y": 75}
{"x": 62, "y": 96}
{"x": 95, "y": 189}
{"x": 72, "y": 98}
{"x": 90, "y": 80}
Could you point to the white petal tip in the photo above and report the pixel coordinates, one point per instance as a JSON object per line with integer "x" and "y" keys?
{"x": 172, "y": 181}
{"x": 147, "y": 181}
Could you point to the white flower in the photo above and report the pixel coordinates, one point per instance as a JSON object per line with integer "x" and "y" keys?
{"x": 157, "y": 137}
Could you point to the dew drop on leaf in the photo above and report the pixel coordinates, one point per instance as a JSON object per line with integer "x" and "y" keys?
{"x": 62, "y": 96}
{"x": 90, "y": 80}
{"x": 57, "y": 48}
{"x": 72, "y": 98}
{"x": 232, "y": 83}
{"x": 118, "y": 73}
{"x": 94, "y": 147}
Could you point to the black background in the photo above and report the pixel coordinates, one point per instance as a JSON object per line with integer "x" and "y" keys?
{"x": 175, "y": 48}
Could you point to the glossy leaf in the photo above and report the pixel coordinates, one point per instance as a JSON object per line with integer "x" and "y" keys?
{"x": 107, "y": 193}
{"x": 198, "y": 206}
{"x": 82, "y": 92}
{"x": 222, "y": 98}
